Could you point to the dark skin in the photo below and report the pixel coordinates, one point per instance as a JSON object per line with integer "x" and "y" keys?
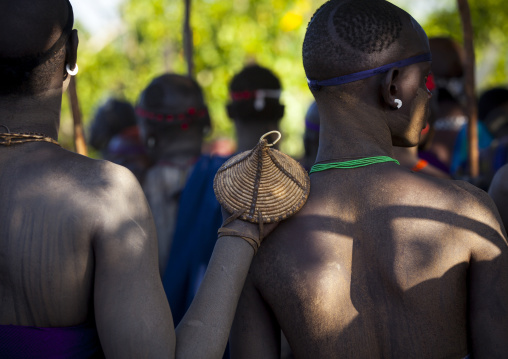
{"x": 77, "y": 238}
{"x": 381, "y": 262}
{"x": 249, "y": 131}
{"x": 499, "y": 192}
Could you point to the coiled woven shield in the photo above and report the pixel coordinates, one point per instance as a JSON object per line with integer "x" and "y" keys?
{"x": 264, "y": 183}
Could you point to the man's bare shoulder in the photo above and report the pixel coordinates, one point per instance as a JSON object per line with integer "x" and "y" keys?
{"x": 454, "y": 195}
{"x": 469, "y": 200}
{"x": 94, "y": 177}
{"x": 443, "y": 205}
{"x": 97, "y": 170}
{"x": 98, "y": 188}
{"x": 112, "y": 199}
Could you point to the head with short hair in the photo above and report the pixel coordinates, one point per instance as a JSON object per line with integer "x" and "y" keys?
{"x": 110, "y": 119}
{"x": 492, "y": 99}
{"x": 493, "y": 111}
{"x": 348, "y": 36}
{"x": 448, "y": 70}
{"x": 255, "y": 95}
{"x": 373, "y": 58}
{"x": 37, "y": 41}
{"x": 447, "y": 57}
{"x": 172, "y": 115}
{"x": 255, "y": 104}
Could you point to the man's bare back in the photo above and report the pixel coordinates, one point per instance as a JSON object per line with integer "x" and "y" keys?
{"x": 381, "y": 262}
{"x": 92, "y": 217}
{"x": 78, "y": 249}
{"x": 26, "y": 208}
{"x": 376, "y": 271}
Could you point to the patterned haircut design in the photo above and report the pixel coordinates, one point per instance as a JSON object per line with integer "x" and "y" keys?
{"x": 343, "y": 33}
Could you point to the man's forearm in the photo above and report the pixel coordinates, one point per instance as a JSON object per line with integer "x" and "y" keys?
{"x": 204, "y": 330}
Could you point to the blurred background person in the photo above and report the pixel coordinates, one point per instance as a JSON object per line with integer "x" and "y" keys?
{"x": 255, "y": 109}
{"x": 115, "y": 134}
{"x": 408, "y": 157}
{"x": 447, "y": 113}
{"x": 493, "y": 116}
{"x": 255, "y": 106}
{"x": 311, "y": 137}
{"x": 173, "y": 120}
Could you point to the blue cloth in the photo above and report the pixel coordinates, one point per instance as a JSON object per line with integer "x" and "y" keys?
{"x": 316, "y": 85}
{"x": 199, "y": 218}
{"x": 460, "y": 149}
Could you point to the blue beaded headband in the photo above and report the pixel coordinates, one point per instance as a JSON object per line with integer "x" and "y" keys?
{"x": 316, "y": 85}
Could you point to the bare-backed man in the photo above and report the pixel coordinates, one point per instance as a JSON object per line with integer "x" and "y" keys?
{"x": 78, "y": 251}
{"x": 381, "y": 262}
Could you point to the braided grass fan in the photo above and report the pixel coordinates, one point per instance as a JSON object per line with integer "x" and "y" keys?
{"x": 263, "y": 184}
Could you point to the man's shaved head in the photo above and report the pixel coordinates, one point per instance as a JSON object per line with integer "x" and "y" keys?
{"x": 172, "y": 94}
{"x": 447, "y": 57}
{"x": 347, "y": 36}
{"x": 172, "y": 117}
{"x": 32, "y": 45}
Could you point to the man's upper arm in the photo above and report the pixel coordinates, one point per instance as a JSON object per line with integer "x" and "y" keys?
{"x": 499, "y": 192}
{"x": 255, "y": 332}
{"x": 488, "y": 286}
{"x": 131, "y": 310}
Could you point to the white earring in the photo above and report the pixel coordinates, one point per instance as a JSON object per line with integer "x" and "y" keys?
{"x": 72, "y": 72}
{"x": 398, "y": 102}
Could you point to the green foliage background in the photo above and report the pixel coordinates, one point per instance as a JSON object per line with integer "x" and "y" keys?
{"x": 230, "y": 34}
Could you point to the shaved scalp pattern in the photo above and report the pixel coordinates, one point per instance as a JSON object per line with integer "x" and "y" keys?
{"x": 317, "y": 47}
{"x": 367, "y": 26}
{"x": 343, "y": 35}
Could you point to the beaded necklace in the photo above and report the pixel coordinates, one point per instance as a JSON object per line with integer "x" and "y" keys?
{"x": 361, "y": 162}
{"x": 9, "y": 138}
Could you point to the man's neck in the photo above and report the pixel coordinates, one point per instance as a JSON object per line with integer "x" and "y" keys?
{"x": 246, "y": 143}
{"x": 353, "y": 129}
{"x": 407, "y": 156}
{"x": 40, "y": 114}
{"x": 180, "y": 159}
{"x": 249, "y": 132}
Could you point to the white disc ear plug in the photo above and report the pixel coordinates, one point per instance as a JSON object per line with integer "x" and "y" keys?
{"x": 72, "y": 72}
{"x": 398, "y": 102}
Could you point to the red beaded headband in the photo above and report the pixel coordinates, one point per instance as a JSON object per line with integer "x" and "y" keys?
{"x": 191, "y": 114}
{"x": 259, "y": 95}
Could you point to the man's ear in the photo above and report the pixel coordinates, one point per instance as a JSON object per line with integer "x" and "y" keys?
{"x": 72, "y": 49}
{"x": 390, "y": 87}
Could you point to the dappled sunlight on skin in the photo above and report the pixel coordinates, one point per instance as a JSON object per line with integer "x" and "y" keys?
{"x": 343, "y": 281}
{"x": 447, "y": 218}
{"x": 415, "y": 259}
{"x": 70, "y": 216}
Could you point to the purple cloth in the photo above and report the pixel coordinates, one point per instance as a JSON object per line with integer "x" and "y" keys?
{"x": 433, "y": 160}
{"x": 77, "y": 342}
